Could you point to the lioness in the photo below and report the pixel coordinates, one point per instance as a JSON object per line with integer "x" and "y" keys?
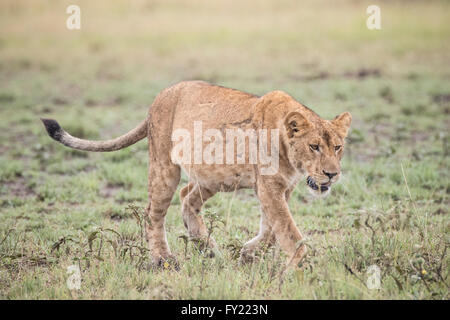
{"x": 306, "y": 146}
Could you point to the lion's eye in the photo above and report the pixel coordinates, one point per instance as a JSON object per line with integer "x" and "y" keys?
{"x": 337, "y": 148}
{"x": 314, "y": 147}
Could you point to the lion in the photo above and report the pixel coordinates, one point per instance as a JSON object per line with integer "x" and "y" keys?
{"x": 307, "y": 146}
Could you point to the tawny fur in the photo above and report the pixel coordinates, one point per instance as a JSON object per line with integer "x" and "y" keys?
{"x": 177, "y": 107}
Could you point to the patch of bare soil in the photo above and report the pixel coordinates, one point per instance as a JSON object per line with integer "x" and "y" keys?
{"x": 363, "y": 73}
{"x": 111, "y": 189}
{"x": 419, "y": 136}
{"x": 59, "y": 101}
{"x": 441, "y": 98}
{"x": 18, "y": 188}
{"x": 322, "y": 75}
{"x": 113, "y": 215}
{"x": 320, "y": 232}
{"x": 440, "y": 211}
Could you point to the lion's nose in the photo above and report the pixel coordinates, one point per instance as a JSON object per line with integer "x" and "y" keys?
{"x": 329, "y": 174}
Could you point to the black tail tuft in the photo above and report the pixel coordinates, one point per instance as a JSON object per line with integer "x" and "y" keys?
{"x": 53, "y": 128}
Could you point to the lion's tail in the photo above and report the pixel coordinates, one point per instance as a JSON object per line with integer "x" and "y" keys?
{"x": 56, "y": 132}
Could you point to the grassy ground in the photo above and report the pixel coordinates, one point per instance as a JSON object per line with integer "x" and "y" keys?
{"x": 60, "y": 207}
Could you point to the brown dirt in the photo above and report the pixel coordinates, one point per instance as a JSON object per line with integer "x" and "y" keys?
{"x": 18, "y": 188}
{"x": 110, "y": 189}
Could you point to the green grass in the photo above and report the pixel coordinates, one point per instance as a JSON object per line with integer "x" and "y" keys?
{"x": 60, "y": 207}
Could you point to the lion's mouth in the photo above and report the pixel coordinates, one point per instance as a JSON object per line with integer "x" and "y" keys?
{"x": 313, "y": 185}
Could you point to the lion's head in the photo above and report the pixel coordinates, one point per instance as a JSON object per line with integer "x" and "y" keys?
{"x": 316, "y": 147}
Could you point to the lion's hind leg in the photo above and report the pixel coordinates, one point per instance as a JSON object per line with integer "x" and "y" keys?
{"x": 162, "y": 185}
{"x": 193, "y": 197}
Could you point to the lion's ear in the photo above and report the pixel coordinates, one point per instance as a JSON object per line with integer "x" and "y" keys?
{"x": 342, "y": 123}
{"x": 296, "y": 124}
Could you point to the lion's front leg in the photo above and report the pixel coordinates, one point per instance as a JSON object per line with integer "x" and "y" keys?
{"x": 273, "y": 202}
{"x": 264, "y": 237}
